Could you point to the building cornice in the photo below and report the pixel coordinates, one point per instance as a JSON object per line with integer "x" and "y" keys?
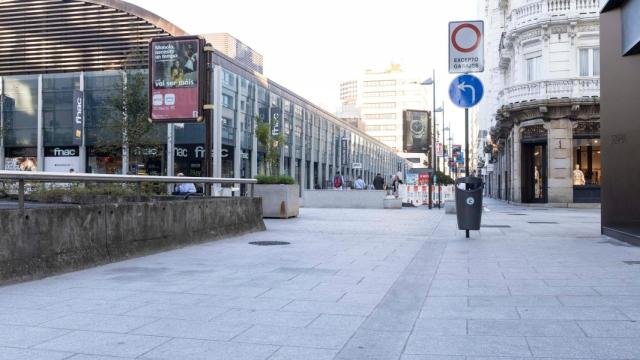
{"x": 574, "y": 109}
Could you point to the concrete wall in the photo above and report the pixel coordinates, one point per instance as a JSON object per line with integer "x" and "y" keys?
{"x": 346, "y": 199}
{"x": 620, "y": 132}
{"x": 41, "y": 242}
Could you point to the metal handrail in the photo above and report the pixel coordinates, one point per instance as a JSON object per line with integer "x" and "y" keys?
{"x": 38, "y": 176}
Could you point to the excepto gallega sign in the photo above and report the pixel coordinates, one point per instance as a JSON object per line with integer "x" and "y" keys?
{"x": 466, "y": 46}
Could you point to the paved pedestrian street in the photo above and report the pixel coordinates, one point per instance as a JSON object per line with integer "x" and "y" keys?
{"x": 352, "y": 284}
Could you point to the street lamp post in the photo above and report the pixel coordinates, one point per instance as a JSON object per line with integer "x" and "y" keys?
{"x": 443, "y": 164}
{"x": 433, "y": 159}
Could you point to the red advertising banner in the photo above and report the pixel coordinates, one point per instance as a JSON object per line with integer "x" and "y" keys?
{"x": 175, "y": 79}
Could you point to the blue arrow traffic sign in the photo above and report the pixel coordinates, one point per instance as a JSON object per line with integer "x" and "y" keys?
{"x": 466, "y": 91}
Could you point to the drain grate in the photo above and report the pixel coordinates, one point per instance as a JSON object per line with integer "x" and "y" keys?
{"x": 542, "y": 222}
{"x": 496, "y": 226}
{"x": 269, "y": 243}
{"x": 516, "y": 214}
{"x": 632, "y": 262}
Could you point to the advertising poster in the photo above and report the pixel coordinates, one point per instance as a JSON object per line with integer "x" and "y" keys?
{"x": 416, "y": 129}
{"x": 412, "y": 179}
{"x": 21, "y": 164}
{"x": 345, "y": 151}
{"x": 457, "y": 152}
{"x": 175, "y": 77}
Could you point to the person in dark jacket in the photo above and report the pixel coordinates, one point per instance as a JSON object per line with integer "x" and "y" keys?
{"x": 378, "y": 182}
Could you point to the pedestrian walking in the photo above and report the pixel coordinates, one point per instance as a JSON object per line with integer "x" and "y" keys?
{"x": 397, "y": 181}
{"x": 338, "y": 181}
{"x": 378, "y": 182}
{"x": 360, "y": 185}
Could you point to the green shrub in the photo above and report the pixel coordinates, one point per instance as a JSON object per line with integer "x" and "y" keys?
{"x": 77, "y": 193}
{"x": 274, "y": 179}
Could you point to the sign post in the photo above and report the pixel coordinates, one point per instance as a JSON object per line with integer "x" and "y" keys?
{"x": 466, "y": 91}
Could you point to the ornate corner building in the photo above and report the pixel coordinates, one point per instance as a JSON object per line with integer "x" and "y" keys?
{"x": 544, "y": 143}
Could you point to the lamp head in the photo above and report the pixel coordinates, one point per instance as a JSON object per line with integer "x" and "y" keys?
{"x": 429, "y": 81}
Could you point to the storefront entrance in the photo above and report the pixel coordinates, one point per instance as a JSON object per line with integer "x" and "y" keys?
{"x": 534, "y": 172}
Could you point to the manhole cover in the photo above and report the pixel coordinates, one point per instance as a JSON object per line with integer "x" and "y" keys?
{"x": 496, "y": 226}
{"x": 542, "y": 222}
{"x": 269, "y": 243}
{"x": 632, "y": 262}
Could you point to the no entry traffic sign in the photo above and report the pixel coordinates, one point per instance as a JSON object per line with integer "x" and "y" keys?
{"x": 466, "y": 46}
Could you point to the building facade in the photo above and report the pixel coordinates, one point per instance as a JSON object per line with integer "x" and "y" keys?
{"x": 620, "y": 39}
{"x": 237, "y": 50}
{"x": 56, "y": 48}
{"x": 543, "y": 100}
{"x": 379, "y": 98}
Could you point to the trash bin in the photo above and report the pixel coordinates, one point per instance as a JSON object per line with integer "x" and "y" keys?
{"x": 469, "y": 203}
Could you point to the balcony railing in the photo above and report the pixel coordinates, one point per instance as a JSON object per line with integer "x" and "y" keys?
{"x": 538, "y": 10}
{"x": 551, "y": 89}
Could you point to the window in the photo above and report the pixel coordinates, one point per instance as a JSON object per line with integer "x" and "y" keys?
{"x": 227, "y": 101}
{"x": 379, "y": 116}
{"x": 589, "y": 60}
{"x": 57, "y": 109}
{"x": 586, "y": 155}
{"x": 534, "y": 68}
{"x": 379, "y": 94}
{"x": 385, "y": 105}
{"x": 373, "y": 83}
{"x": 228, "y": 79}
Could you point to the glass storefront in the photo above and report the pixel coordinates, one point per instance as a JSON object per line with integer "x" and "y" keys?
{"x": 99, "y": 90}
{"x": 57, "y": 107}
{"x": 20, "y": 111}
{"x": 103, "y": 162}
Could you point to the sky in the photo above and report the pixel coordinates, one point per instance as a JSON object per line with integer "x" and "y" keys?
{"x": 311, "y": 47}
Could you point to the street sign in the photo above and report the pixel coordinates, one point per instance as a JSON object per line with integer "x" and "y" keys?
{"x": 466, "y": 46}
{"x": 466, "y": 91}
{"x": 356, "y": 166}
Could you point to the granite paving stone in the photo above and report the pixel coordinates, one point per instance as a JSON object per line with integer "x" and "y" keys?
{"x": 192, "y": 329}
{"x": 209, "y": 350}
{"x": 353, "y": 284}
{"x": 102, "y": 343}
{"x": 10, "y": 353}
{"x": 296, "y": 337}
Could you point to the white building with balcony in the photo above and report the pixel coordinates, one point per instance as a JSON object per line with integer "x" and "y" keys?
{"x": 543, "y": 100}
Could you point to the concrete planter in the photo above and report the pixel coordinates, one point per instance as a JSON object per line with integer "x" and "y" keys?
{"x": 279, "y": 201}
{"x": 391, "y": 202}
{"x": 346, "y": 199}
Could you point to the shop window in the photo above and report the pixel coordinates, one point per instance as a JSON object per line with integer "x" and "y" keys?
{"x": 587, "y": 166}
